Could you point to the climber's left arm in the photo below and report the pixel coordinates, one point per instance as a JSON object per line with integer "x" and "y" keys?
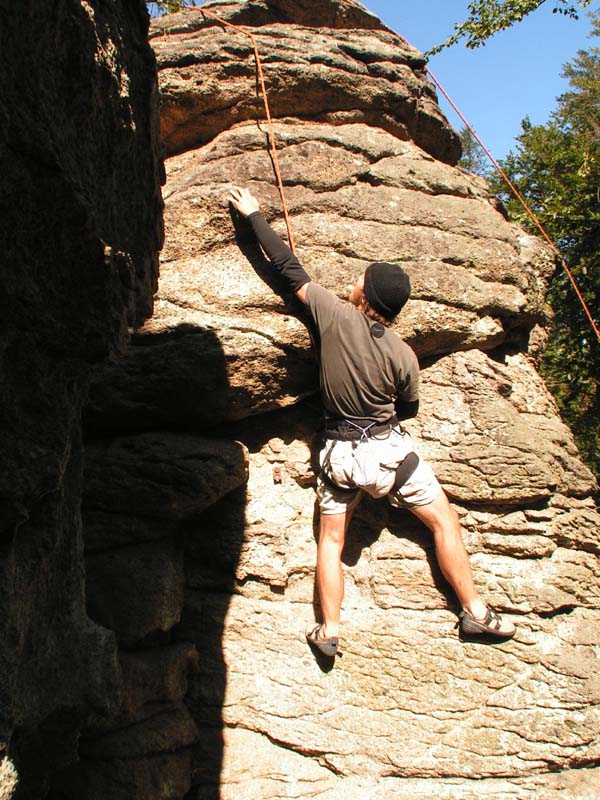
{"x": 279, "y": 254}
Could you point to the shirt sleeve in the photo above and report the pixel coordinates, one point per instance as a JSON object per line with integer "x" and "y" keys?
{"x": 323, "y": 305}
{"x": 279, "y": 254}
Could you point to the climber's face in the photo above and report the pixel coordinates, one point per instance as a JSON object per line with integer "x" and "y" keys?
{"x": 356, "y": 294}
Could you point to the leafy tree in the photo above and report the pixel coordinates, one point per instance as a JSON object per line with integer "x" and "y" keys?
{"x": 159, "y": 7}
{"x": 487, "y": 17}
{"x": 473, "y": 158}
{"x": 556, "y": 167}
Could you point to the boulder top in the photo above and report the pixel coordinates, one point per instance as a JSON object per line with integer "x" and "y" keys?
{"x": 340, "y": 14}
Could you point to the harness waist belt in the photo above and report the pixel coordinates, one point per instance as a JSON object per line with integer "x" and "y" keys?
{"x": 350, "y": 430}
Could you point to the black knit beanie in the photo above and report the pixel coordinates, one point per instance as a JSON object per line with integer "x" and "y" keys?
{"x": 387, "y": 288}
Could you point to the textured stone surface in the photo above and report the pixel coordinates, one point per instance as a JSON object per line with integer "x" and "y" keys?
{"x": 524, "y": 560}
{"x": 156, "y": 675}
{"x": 104, "y": 530}
{"x": 9, "y": 779}
{"x": 222, "y": 328}
{"x": 138, "y": 492}
{"x": 492, "y": 430}
{"x": 258, "y": 768}
{"x": 166, "y": 728}
{"x": 144, "y": 751}
{"x": 406, "y": 698}
{"x": 206, "y": 370}
{"x": 202, "y": 95}
{"x": 310, "y": 13}
{"x": 82, "y": 226}
{"x": 408, "y": 710}
{"x": 456, "y": 710}
{"x": 161, "y": 475}
{"x": 136, "y": 591}
{"x": 152, "y": 776}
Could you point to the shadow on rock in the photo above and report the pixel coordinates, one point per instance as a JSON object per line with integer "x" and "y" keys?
{"x": 163, "y": 515}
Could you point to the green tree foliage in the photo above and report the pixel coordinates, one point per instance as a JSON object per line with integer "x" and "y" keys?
{"x": 473, "y": 158}
{"x": 487, "y": 17}
{"x": 556, "y": 167}
{"x": 160, "y": 7}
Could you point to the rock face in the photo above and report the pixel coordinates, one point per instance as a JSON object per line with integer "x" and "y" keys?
{"x": 82, "y": 227}
{"x": 199, "y": 505}
{"x": 202, "y": 96}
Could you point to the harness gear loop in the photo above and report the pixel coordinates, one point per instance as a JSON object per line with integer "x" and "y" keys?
{"x": 405, "y": 470}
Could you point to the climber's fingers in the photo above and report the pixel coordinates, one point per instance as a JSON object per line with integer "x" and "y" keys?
{"x": 243, "y": 201}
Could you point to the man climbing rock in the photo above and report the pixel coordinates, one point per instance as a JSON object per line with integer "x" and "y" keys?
{"x": 369, "y": 383}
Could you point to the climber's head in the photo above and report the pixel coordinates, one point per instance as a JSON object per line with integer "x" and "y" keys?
{"x": 384, "y": 288}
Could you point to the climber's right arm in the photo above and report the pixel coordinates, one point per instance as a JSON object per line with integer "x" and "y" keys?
{"x": 279, "y": 254}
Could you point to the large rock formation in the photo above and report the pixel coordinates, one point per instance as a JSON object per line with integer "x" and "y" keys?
{"x": 82, "y": 226}
{"x": 184, "y": 550}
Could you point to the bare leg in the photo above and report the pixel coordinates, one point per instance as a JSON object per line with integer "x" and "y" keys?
{"x": 330, "y": 578}
{"x": 443, "y": 522}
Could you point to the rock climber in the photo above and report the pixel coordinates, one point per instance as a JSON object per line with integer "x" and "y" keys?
{"x": 370, "y": 383}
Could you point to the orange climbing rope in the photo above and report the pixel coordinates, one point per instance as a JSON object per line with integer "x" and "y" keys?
{"x": 515, "y": 191}
{"x": 513, "y": 188}
{"x": 523, "y": 202}
{"x": 271, "y": 134}
{"x": 275, "y": 159}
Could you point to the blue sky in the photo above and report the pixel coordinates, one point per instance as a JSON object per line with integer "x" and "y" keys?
{"x": 516, "y": 74}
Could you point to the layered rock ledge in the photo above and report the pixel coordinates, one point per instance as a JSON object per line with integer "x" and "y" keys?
{"x": 81, "y": 231}
{"x": 202, "y": 455}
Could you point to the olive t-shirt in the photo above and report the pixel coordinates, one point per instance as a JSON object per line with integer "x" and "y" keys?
{"x": 364, "y": 366}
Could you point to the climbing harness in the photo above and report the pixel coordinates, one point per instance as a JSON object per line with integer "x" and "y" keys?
{"x": 365, "y": 468}
{"x": 346, "y": 430}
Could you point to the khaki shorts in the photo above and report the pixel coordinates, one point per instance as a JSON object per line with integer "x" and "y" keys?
{"x": 337, "y": 492}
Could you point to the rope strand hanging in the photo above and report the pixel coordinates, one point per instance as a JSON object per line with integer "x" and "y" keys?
{"x": 275, "y": 158}
{"x": 512, "y": 187}
{"x": 271, "y": 131}
{"x": 525, "y": 205}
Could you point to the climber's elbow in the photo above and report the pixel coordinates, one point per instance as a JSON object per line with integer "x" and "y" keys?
{"x": 301, "y": 292}
{"x": 406, "y": 410}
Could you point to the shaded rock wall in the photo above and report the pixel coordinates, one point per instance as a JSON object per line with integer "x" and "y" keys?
{"x": 199, "y": 508}
{"x": 82, "y": 226}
